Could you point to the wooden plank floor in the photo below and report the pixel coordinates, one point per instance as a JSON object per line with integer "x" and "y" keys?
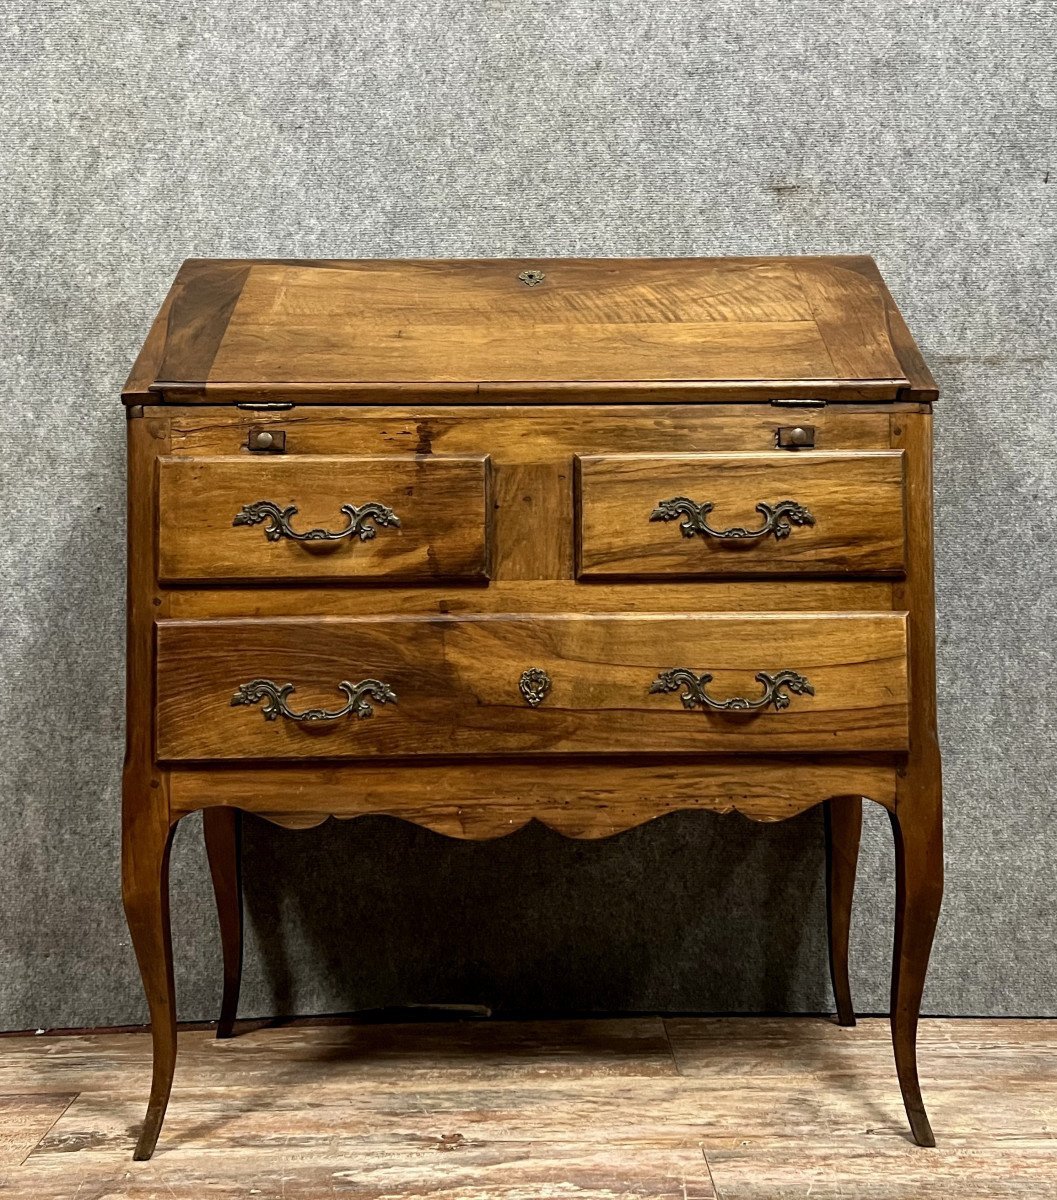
{"x": 684, "y": 1109}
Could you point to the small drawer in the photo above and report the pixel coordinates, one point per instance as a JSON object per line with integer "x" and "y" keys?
{"x": 345, "y": 688}
{"x": 311, "y": 518}
{"x": 648, "y": 515}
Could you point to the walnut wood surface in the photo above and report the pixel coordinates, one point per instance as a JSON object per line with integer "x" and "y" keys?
{"x": 917, "y": 821}
{"x": 532, "y": 456}
{"x": 424, "y": 362}
{"x": 222, "y": 830}
{"x": 442, "y": 505}
{"x": 536, "y": 596}
{"x": 456, "y": 679}
{"x": 523, "y": 436}
{"x": 484, "y": 798}
{"x": 843, "y": 821}
{"x": 146, "y": 824}
{"x": 464, "y": 324}
{"x": 136, "y": 391}
{"x": 856, "y": 500}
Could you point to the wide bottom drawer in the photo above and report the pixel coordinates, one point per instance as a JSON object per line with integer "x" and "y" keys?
{"x": 296, "y": 688}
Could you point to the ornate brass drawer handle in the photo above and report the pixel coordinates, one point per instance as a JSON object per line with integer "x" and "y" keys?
{"x": 777, "y": 519}
{"x": 279, "y": 521}
{"x": 774, "y": 690}
{"x": 275, "y": 697}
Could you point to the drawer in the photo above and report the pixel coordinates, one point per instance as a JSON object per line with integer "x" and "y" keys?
{"x": 303, "y": 519}
{"x": 801, "y": 513}
{"x": 441, "y": 686}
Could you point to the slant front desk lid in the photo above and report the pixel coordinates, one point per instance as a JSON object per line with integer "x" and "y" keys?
{"x": 534, "y": 330}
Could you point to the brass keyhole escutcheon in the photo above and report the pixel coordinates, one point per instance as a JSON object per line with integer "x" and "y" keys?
{"x": 532, "y": 278}
{"x": 534, "y": 685}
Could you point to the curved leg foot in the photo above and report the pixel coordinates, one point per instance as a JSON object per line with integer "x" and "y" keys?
{"x": 223, "y": 837}
{"x": 145, "y": 890}
{"x": 919, "y": 887}
{"x": 843, "y": 816}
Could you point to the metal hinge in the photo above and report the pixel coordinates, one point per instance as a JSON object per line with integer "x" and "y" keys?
{"x": 265, "y": 405}
{"x": 799, "y": 402}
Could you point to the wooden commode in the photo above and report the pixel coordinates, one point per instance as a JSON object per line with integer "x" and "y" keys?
{"x": 477, "y": 543}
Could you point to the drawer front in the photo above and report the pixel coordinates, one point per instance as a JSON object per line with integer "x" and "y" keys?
{"x": 312, "y": 518}
{"x": 513, "y": 685}
{"x": 648, "y": 515}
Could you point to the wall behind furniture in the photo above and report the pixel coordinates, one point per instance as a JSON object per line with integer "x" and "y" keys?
{"x": 139, "y": 134}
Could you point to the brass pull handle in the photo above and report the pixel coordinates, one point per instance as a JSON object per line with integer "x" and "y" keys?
{"x": 774, "y": 690}
{"x": 778, "y": 519}
{"x": 275, "y": 695}
{"x": 278, "y": 521}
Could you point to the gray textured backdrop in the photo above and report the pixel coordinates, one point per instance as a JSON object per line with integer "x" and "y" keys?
{"x": 138, "y": 134}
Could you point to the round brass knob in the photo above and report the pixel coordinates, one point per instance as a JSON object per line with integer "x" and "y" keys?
{"x": 263, "y": 440}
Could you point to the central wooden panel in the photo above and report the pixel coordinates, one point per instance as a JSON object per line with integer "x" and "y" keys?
{"x": 456, "y": 680}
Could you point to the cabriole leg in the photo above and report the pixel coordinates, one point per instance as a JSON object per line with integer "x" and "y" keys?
{"x": 918, "y": 832}
{"x": 145, "y": 890}
{"x": 223, "y": 836}
{"x": 843, "y": 817}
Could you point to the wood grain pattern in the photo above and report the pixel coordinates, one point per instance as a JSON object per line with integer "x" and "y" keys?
{"x": 146, "y": 827}
{"x": 457, "y": 683}
{"x": 689, "y": 392}
{"x": 422, "y": 362}
{"x": 145, "y": 855}
{"x": 537, "y": 595}
{"x": 843, "y": 822}
{"x": 922, "y": 384}
{"x": 469, "y": 321}
{"x": 891, "y": 1173}
{"x": 530, "y": 350}
{"x": 849, "y": 312}
{"x": 595, "y": 1109}
{"x": 917, "y": 820}
{"x": 222, "y": 831}
{"x": 856, "y": 500}
{"x": 531, "y": 454}
{"x": 335, "y": 1164}
{"x": 435, "y": 1051}
{"x": 442, "y": 505}
{"x": 24, "y": 1121}
{"x": 487, "y": 799}
{"x": 203, "y": 300}
{"x": 533, "y": 436}
{"x": 144, "y": 371}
